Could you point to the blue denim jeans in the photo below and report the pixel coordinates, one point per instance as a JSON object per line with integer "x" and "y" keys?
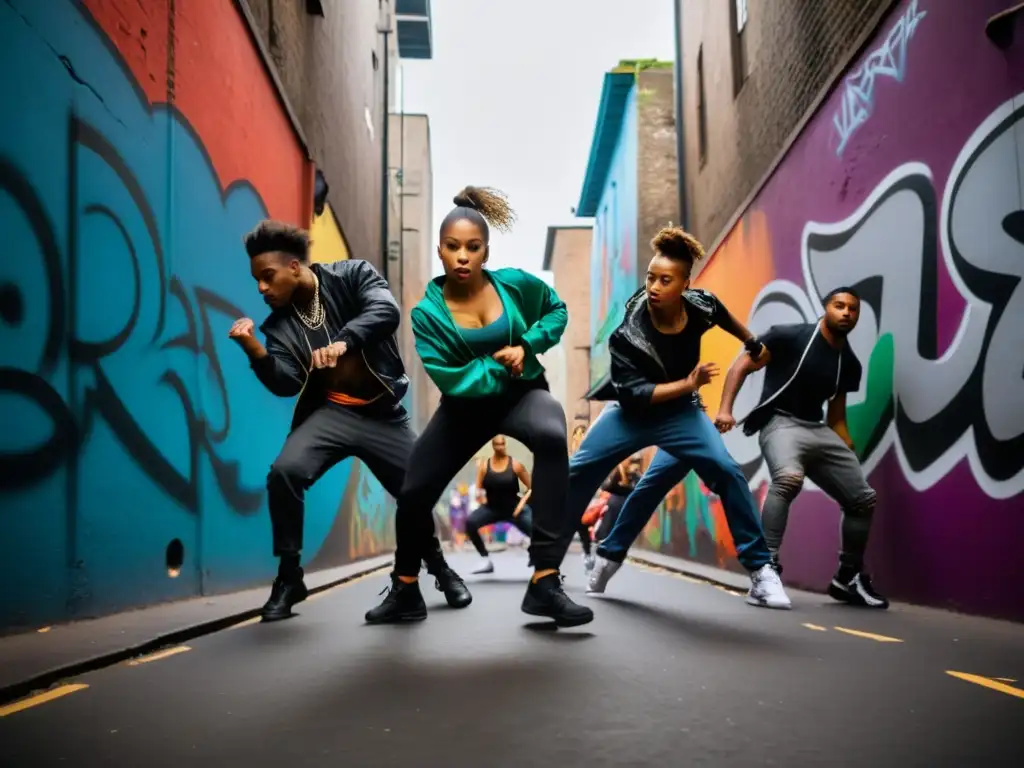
{"x": 687, "y": 440}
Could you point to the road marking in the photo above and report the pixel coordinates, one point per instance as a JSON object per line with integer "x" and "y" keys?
{"x": 728, "y": 591}
{"x": 159, "y": 655}
{"x": 41, "y": 698}
{"x": 988, "y": 682}
{"x": 43, "y": 630}
{"x": 868, "y": 635}
{"x": 815, "y": 627}
{"x": 1005, "y": 679}
{"x": 246, "y": 623}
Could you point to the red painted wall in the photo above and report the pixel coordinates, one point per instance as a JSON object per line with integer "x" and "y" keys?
{"x": 221, "y": 87}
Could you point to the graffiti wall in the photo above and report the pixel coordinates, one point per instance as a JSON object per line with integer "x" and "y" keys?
{"x": 613, "y": 274}
{"x": 908, "y": 185}
{"x": 140, "y": 142}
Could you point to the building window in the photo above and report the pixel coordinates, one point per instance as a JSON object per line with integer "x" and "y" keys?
{"x": 702, "y": 110}
{"x": 740, "y": 61}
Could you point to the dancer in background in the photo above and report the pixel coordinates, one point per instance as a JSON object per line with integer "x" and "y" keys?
{"x": 807, "y": 365}
{"x": 498, "y": 479}
{"x": 655, "y": 378}
{"x": 330, "y": 340}
{"x": 478, "y": 334}
{"x": 618, "y": 486}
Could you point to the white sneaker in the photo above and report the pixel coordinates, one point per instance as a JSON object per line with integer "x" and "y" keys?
{"x": 588, "y": 563}
{"x": 486, "y": 566}
{"x": 601, "y": 575}
{"x": 766, "y": 589}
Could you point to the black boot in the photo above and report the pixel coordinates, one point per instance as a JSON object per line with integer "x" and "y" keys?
{"x": 404, "y": 602}
{"x": 448, "y": 581}
{"x": 545, "y": 597}
{"x": 288, "y": 589}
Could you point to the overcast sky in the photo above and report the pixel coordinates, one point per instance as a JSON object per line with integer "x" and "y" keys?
{"x": 512, "y": 95}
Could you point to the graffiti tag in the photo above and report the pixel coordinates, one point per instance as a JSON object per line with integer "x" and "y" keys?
{"x": 888, "y": 60}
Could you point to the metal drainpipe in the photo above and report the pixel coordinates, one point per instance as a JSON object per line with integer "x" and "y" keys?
{"x": 680, "y": 124}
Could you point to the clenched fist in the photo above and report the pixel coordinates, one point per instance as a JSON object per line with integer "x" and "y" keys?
{"x": 724, "y": 421}
{"x": 327, "y": 357}
{"x": 512, "y": 358}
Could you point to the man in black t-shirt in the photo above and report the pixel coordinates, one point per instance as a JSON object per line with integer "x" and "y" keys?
{"x": 655, "y": 379}
{"x": 805, "y": 366}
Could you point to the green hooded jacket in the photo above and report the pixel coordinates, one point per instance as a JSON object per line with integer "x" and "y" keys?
{"x": 537, "y": 318}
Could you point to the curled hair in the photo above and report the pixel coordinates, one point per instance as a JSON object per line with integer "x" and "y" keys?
{"x": 485, "y": 207}
{"x": 678, "y": 244}
{"x": 270, "y": 236}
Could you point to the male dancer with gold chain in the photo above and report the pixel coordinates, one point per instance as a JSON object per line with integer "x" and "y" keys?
{"x": 329, "y": 340}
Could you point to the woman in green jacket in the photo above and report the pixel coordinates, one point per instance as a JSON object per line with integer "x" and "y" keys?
{"x": 478, "y": 333}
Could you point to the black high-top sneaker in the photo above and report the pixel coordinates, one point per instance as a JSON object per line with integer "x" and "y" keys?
{"x": 286, "y": 592}
{"x": 545, "y": 597}
{"x": 404, "y": 602}
{"x": 855, "y": 588}
{"x": 448, "y": 581}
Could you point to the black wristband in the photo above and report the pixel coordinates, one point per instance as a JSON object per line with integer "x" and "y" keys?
{"x": 753, "y": 347}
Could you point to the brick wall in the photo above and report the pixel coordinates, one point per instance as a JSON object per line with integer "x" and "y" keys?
{"x": 793, "y": 49}
{"x": 326, "y": 65}
{"x": 657, "y": 173}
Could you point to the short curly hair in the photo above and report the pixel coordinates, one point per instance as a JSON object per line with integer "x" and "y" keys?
{"x": 270, "y": 236}
{"x": 679, "y": 245}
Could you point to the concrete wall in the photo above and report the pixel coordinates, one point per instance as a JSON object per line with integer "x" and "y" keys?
{"x": 613, "y": 261}
{"x": 414, "y": 186}
{"x": 793, "y": 48}
{"x": 907, "y": 183}
{"x": 141, "y": 141}
{"x": 332, "y": 70}
{"x": 570, "y": 258}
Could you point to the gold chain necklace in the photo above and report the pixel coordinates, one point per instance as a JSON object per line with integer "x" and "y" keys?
{"x": 314, "y": 317}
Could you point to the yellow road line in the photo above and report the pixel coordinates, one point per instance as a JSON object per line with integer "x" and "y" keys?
{"x": 868, "y": 635}
{"x": 815, "y": 627}
{"x": 159, "y": 655}
{"x": 988, "y": 682}
{"x": 1005, "y": 679}
{"x": 246, "y": 623}
{"x": 43, "y": 630}
{"x": 41, "y": 698}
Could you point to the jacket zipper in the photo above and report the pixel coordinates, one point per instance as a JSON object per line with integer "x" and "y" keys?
{"x": 370, "y": 369}
{"x": 799, "y": 365}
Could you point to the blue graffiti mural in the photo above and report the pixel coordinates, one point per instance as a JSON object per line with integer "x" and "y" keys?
{"x": 131, "y": 421}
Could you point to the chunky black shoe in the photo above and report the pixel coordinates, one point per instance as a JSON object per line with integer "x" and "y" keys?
{"x": 856, "y": 590}
{"x": 404, "y": 602}
{"x": 546, "y": 597}
{"x": 448, "y": 581}
{"x": 285, "y": 593}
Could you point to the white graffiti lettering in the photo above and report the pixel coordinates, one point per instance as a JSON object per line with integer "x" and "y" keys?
{"x": 888, "y": 60}
{"x": 939, "y": 406}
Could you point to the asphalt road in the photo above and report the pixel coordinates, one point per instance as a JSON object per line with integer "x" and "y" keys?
{"x": 672, "y": 672}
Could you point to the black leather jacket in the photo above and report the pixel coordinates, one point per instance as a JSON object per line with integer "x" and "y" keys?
{"x": 354, "y": 293}
{"x": 636, "y": 367}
